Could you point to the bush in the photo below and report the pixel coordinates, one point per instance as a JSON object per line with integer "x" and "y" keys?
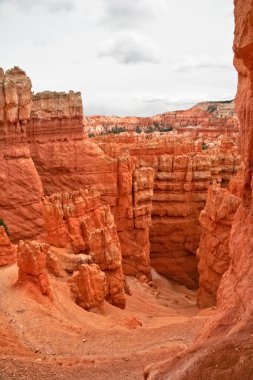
{"x": 204, "y": 146}
{"x": 116, "y": 130}
{"x": 150, "y": 129}
{"x": 138, "y": 129}
{"x": 166, "y": 129}
{"x": 91, "y": 135}
{"x": 211, "y": 108}
{"x": 2, "y": 224}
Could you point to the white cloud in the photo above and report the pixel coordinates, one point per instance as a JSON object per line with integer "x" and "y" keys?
{"x": 130, "y": 13}
{"x": 189, "y": 63}
{"x": 50, "y": 5}
{"x": 130, "y": 48}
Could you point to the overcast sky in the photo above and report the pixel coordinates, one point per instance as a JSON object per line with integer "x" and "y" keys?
{"x": 127, "y": 57}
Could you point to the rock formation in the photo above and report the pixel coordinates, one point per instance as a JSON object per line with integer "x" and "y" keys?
{"x": 183, "y": 170}
{"x": 77, "y": 220}
{"x": 224, "y": 349}
{"x": 133, "y": 216}
{"x": 213, "y": 252}
{"x": 21, "y": 187}
{"x": 166, "y": 176}
{"x": 64, "y": 158}
{"x": 31, "y": 260}
{"x": 7, "y": 250}
{"x": 89, "y": 287}
{"x": 209, "y": 119}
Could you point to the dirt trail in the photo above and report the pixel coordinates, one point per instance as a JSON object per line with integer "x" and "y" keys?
{"x": 40, "y": 339}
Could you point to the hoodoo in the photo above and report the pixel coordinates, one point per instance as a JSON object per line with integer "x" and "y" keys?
{"x": 126, "y": 242}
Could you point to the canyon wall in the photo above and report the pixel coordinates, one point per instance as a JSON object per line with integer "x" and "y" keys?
{"x": 66, "y": 160}
{"x": 213, "y": 253}
{"x": 155, "y": 178}
{"x": 21, "y": 187}
{"x": 224, "y": 348}
{"x": 183, "y": 171}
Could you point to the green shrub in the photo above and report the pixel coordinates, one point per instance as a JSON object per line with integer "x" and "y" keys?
{"x": 150, "y": 129}
{"x": 211, "y": 108}
{"x": 204, "y": 146}
{"x": 2, "y": 224}
{"x": 116, "y": 130}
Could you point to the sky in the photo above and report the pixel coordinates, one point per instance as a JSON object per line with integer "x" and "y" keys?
{"x": 127, "y": 57}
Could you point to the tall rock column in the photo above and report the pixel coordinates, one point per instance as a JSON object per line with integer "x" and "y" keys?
{"x": 20, "y": 184}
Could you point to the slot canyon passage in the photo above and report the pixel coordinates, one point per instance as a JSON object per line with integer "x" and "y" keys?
{"x": 125, "y": 243}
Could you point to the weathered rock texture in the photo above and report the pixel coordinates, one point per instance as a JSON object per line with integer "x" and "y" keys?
{"x": 213, "y": 252}
{"x": 79, "y": 221}
{"x": 224, "y": 349}
{"x": 21, "y": 187}
{"x": 89, "y": 287}
{"x": 7, "y": 250}
{"x": 66, "y": 160}
{"x": 183, "y": 171}
{"x": 31, "y": 260}
{"x": 133, "y": 216}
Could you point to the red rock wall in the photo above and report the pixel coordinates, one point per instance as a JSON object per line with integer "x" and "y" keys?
{"x": 224, "y": 349}
{"x": 213, "y": 253}
{"x": 182, "y": 174}
{"x": 21, "y": 188}
{"x": 66, "y": 160}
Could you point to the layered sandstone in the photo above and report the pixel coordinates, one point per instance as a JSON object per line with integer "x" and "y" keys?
{"x": 213, "y": 253}
{"x": 64, "y": 158}
{"x": 77, "y": 220}
{"x": 31, "y": 260}
{"x": 183, "y": 171}
{"x": 133, "y": 216}
{"x": 55, "y": 114}
{"x": 20, "y": 184}
{"x": 224, "y": 349}
{"x": 7, "y": 250}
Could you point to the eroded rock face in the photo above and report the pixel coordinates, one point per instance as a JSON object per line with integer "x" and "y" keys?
{"x": 89, "y": 287}
{"x": 20, "y": 184}
{"x": 31, "y": 260}
{"x": 15, "y": 103}
{"x": 224, "y": 349}
{"x": 183, "y": 171}
{"x": 7, "y": 250}
{"x": 64, "y": 158}
{"x": 133, "y": 216}
{"x": 213, "y": 252}
{"x": 79, "y": 221}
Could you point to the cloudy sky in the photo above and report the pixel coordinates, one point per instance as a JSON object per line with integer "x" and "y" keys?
{"x": 127, "y": 57}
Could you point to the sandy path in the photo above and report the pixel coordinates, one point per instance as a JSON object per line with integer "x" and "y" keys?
{"x": 59, "y": 340}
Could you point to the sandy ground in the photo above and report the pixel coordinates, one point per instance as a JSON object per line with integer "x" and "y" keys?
{"x": 40, "y": 339}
